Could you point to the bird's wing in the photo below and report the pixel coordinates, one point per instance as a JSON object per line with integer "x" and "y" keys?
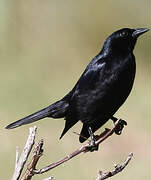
{"x": 91, "y": 76}
{"x": 83, "y": 87}
{"x": 90, "y": 88}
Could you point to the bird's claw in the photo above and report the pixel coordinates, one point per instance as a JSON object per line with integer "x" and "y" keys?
{"x": 93, "y": 147}
{"x": 120, "y": 126}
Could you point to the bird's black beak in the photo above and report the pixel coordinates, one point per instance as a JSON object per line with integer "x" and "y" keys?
{"x": 139, "y": 31}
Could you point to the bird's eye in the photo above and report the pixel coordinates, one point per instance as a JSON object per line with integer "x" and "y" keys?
{"x": 123, "y": 34}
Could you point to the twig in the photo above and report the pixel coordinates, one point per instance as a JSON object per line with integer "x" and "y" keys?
{"x": 38, "y": 150}
{"x": 118, "y": 168}
{"x": 31, "y": 167}
{"x": 50, "y": 178}
{"x": 17, "y": 157}
{"x": 83, "y": 149}
{"x": 20, "y": 162}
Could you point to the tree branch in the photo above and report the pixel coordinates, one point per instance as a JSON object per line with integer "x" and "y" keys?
{"x": 118, "y": 168}
{"x": 32, "y": 165}
{"x": 20, "y": 162}
{"x": 50, "y": 178}
{"x": 38, "y": 152}
{"x": 83, "y": 149}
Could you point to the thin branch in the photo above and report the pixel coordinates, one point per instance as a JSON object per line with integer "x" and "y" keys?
{"x": 38, "y": 150}
{"x": 31, "y": 167}
{"x": 17, "y": 157}
{"x": 86, "y": 148}
{"x": 118, "y": 168}
{"x": 20, "y": 162}
{"x": 49, "y": 178}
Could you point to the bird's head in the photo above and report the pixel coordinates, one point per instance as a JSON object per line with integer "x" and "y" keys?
{"x": 123, "y": 40}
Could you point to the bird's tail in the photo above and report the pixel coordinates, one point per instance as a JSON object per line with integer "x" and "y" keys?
{"x": 56, "y": 110}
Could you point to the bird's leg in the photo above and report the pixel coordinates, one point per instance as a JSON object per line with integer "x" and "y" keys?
{"x": 92, "y": 136}
{"x": 93, "y": 146}
{"x": 120, "y": 126}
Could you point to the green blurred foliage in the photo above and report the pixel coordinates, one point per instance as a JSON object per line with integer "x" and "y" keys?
{"x": 44, "y": 47}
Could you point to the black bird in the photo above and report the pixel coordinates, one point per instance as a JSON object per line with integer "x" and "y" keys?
{"x": 100, "y": 91}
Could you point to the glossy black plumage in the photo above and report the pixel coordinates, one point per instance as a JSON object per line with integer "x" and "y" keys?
{"x": 102, "y": 88}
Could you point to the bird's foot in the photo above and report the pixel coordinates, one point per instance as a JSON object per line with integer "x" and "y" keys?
{"x": 120, "y": 126}
{"x": 92, "y": 143}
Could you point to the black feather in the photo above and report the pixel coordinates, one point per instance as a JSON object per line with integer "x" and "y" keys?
{"x": 101, "y": 90}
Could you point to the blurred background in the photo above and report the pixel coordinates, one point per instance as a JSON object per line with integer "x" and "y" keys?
{"x": 45, "y": 45}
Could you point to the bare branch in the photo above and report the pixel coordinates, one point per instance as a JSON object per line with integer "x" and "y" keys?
{"x": 32, "y": 165}
{"x": 38, "y": 151}
{"x": 20, "y": 162}
{"x": 118, "y": 168}
{"x": 86, "y": 148}
{"x": 17, "y": 157}
{"x": 50, "y": 178}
